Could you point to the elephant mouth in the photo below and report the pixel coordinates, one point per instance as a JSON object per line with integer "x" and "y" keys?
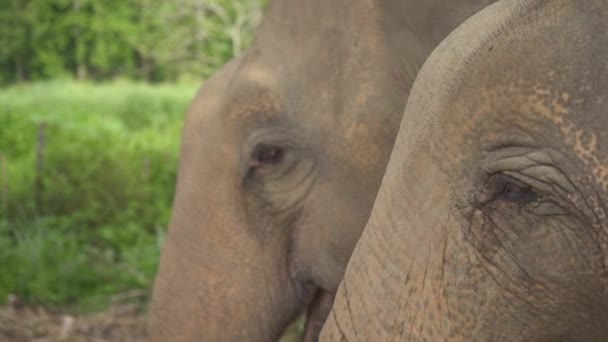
{"x": 316, "y": 314}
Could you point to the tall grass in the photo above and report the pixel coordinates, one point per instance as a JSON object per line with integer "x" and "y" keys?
{"x": 88, "y": 221}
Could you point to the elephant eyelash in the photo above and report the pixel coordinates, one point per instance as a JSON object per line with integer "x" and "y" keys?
{"x": 266, "y": 154}
{"x": 512, "y": 190}
{"x": 263, "y": 154}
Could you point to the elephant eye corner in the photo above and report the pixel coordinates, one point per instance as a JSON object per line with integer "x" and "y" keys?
{"x": 266, "y": 154}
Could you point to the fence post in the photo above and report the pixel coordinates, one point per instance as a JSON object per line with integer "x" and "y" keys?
{"x": 40, "y": 154}
{"x": 146, "y": 174}
{"x": 4, "y": 175}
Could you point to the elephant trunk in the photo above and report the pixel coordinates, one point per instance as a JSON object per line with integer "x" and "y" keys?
{"x": 214, "y": 291}
{"x": 219, "y": 278}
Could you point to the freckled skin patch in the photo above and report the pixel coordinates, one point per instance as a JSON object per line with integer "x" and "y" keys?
{"x": 523, "y": 261}
{"x": 258, "y": 107}
{"x": 548, "y": 105}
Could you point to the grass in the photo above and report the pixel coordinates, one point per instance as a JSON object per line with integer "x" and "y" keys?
{"x": 89, "y": 221}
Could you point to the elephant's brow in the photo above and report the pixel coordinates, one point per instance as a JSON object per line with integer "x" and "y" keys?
{"x": 255, "y": 108}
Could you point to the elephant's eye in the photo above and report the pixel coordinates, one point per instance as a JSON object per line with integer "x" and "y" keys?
{"x": 512, "y": 190}
{"x": 267, "y": 154}
{"x": 264, "y": 155}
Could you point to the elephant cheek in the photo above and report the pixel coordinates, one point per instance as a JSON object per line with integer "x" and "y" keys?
{"x": 394, "y": 285}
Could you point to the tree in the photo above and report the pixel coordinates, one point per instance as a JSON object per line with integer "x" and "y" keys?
{"x": 153, "y": 40}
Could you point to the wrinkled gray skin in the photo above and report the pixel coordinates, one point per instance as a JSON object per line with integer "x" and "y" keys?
{"x": 491, "y": 223}
{"x": 283, "y": 152}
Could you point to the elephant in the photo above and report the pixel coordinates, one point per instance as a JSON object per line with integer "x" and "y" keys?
{"x": 282, "y": 155}
{"x": 491, "y": 222}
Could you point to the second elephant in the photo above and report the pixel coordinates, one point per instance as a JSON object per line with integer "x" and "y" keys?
{"x": 282, "y": 155}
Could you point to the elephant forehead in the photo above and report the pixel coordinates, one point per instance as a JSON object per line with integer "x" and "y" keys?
{"x": 550, "y": 95}
{"x": 256, "y": 106}
{"x": 364, "y": 144}
{"x": 567, "y": 117}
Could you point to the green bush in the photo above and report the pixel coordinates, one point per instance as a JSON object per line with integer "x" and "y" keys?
{"x": 151, "y": 40}
{"x": 90, "y": 222}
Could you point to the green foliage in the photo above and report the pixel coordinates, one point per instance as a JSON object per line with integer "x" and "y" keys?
{"x": 153, "y": 40}
{"x": 89, "y": 221}
{"x": 90, "y": 169}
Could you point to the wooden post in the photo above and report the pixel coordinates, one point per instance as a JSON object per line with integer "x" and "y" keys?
{"x": 146, "y": 174}
{"x": 4, "y": 175}
{"x": 40, "y": 154}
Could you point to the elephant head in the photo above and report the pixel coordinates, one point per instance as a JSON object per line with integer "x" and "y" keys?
{"x": 491, "y": 223}
{"x": 283, "y": 152}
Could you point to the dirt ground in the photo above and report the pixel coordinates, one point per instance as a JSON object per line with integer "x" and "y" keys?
{"x": 122, "y": 322}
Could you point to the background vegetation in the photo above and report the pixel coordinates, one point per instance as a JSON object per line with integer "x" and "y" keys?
{"x": 151, "y": 40}
{"x": 90, "y": 119}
